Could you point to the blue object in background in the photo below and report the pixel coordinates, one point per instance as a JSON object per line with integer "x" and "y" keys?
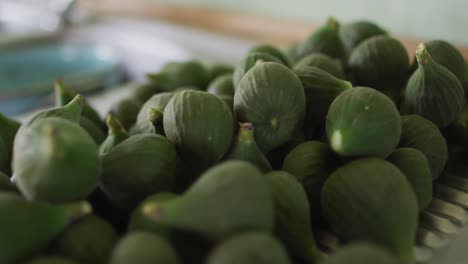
{"x": 27, "y": 74}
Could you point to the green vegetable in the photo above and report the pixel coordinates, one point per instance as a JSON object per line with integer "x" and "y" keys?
{"x": 26, "y": 226}
{"x": 222, "y": 85}
{"x": 144, "y": 248}
{"x": 216, "y": 70}
{"x": 271, "y": 97}
{"x": 6, "y": 184}
{"x": 64, "y": 95}
{"x": 126, "y": 111}
{"x": 179, "y": 74}
{"x": 137, "y": 167}
{"x": 292, "y": 216}
{"x": 55, "y": 160}
{"x": 52, "y": 260}
{"x": 322, "y": 62}
{"x": 153, "y": 124}
{"x": 379, "y": 61}
{"x": 140, "y": 222}
{"x": 271, "y": 50}
{"x": 228, "y": 198}
{"x": 446, "y": 55}
{"x": 89, "y": 240}
{"x": 249, "y": 248}
{"x": 246, "y": 149}
{"x": 423, "y": 135}
{"x": 362, "y": 253}
{"x": 252, "y": 59}
{"x": 116, "y": 135}
{"x": 433, "y": 91}
{"x": 324, "y": 40}
{"x": 311, "y": 163}
{"x": 200, "y": 125}
{"x": 356, "y": 202}
{"x": 158, "y": 102}
{"x": 320, "y": 90}
{"x": 8, "y": 130}
{"x": 415, "y": 167}
{"x": 93, "y": 130}
{"x": 363, "y": 122}
{"x": 354, "y": 33}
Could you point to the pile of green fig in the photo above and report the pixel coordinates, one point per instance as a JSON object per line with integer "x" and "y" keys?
{"x": 324, "y": 153}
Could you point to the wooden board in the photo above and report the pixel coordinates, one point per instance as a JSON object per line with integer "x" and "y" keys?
{"x": 259, "y": 28}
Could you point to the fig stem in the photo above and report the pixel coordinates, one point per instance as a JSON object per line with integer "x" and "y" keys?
{"x": 422, "y": 54}
{"x": 246, "y": 132}
{"x": 114, "y": 125}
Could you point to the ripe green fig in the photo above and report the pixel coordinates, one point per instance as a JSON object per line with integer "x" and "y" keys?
{"x": 273, "y": 51}
{"x": 179, "y": 74}
{"x": 252, "y": 59}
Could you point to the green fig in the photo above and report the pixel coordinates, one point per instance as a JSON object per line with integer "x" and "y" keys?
{"x": 290, "y": 52}
{"x": 379, "y": 61}
{"x": 6, "y": 184}
{"x": 158, "y": 102}
{"x": 271, "y": 97}
{"x": 229, "y": 101}
{"x": 357, "y": 205}
{"x": 126, "y": 111}
{"x": 178, "y": 74}
{"x": 252, "y": 59}
{"x": 8, "y": 130}
{"x": 311, "y": 163}
{"x": 137, "y": 167}
{"x": 26, "y": 226}
{"x": 354, "y": 33}
{"x": 249, "y": 248}
{"x": 433, "y": 91}
{"x": 363, "y": 122}
{"x": 423, "y": 135}
{"x": 246, "y": 149}
{"x": 116, "y": 135}
{"x": 55, "y": 160}
{"x": 216, "y": 70}
{"x": 271, "y": 50}
{"x": 89, "y": 240}
{"x": 324, "y": 40}
{"x": 200, "y": 125}
{"x": 292, "y": 216}
{"x": 320, "y": 90}
{"x": 93, "y": 130}
{"x": 276, "y": 157}
{"x": 153, "y": 124}
{"x": 139, "y": 221}
{"x": 228, "y": 198}
{"x": 52, "y": 260}
{"x": 64, "y": 95}
{"x": 322, "y": 62}
{"x": 144, "y": 248}
{"x": 222, "y": 85}
{"x": 446, "y": 55}
{"x": 143, "y": 92}
{"x": 415, "y": 167}
{"x": 362, "y": 253}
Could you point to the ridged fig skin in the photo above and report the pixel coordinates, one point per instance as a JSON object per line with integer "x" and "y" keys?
{"x": 158, "y": 102}
{"x": 272, "y": 98}
{"x": 144, "y": 248}
{"x": 363, "y": 122}
{"x": 352, "y": 34}
{"x": 425, "y": 136}
{"x": 175, "y": 75}
{"x": 361, "y": 252}
{"x": 273, "y": 51}
{"x": 415, "y": 167}
{"x": 55, "y": 160}
{"x": 378, "y": 62}
{"x": 356, "y": 204}
{"x": 200, "y": 125}
{"x": 229, "y": 198}
{"x": 252, "y": 59}
{"x": 139, "y": 166}
{"x": 433, "y": 91}
{"x": 222, "y": 85}
{"x": 249, "y": 248}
